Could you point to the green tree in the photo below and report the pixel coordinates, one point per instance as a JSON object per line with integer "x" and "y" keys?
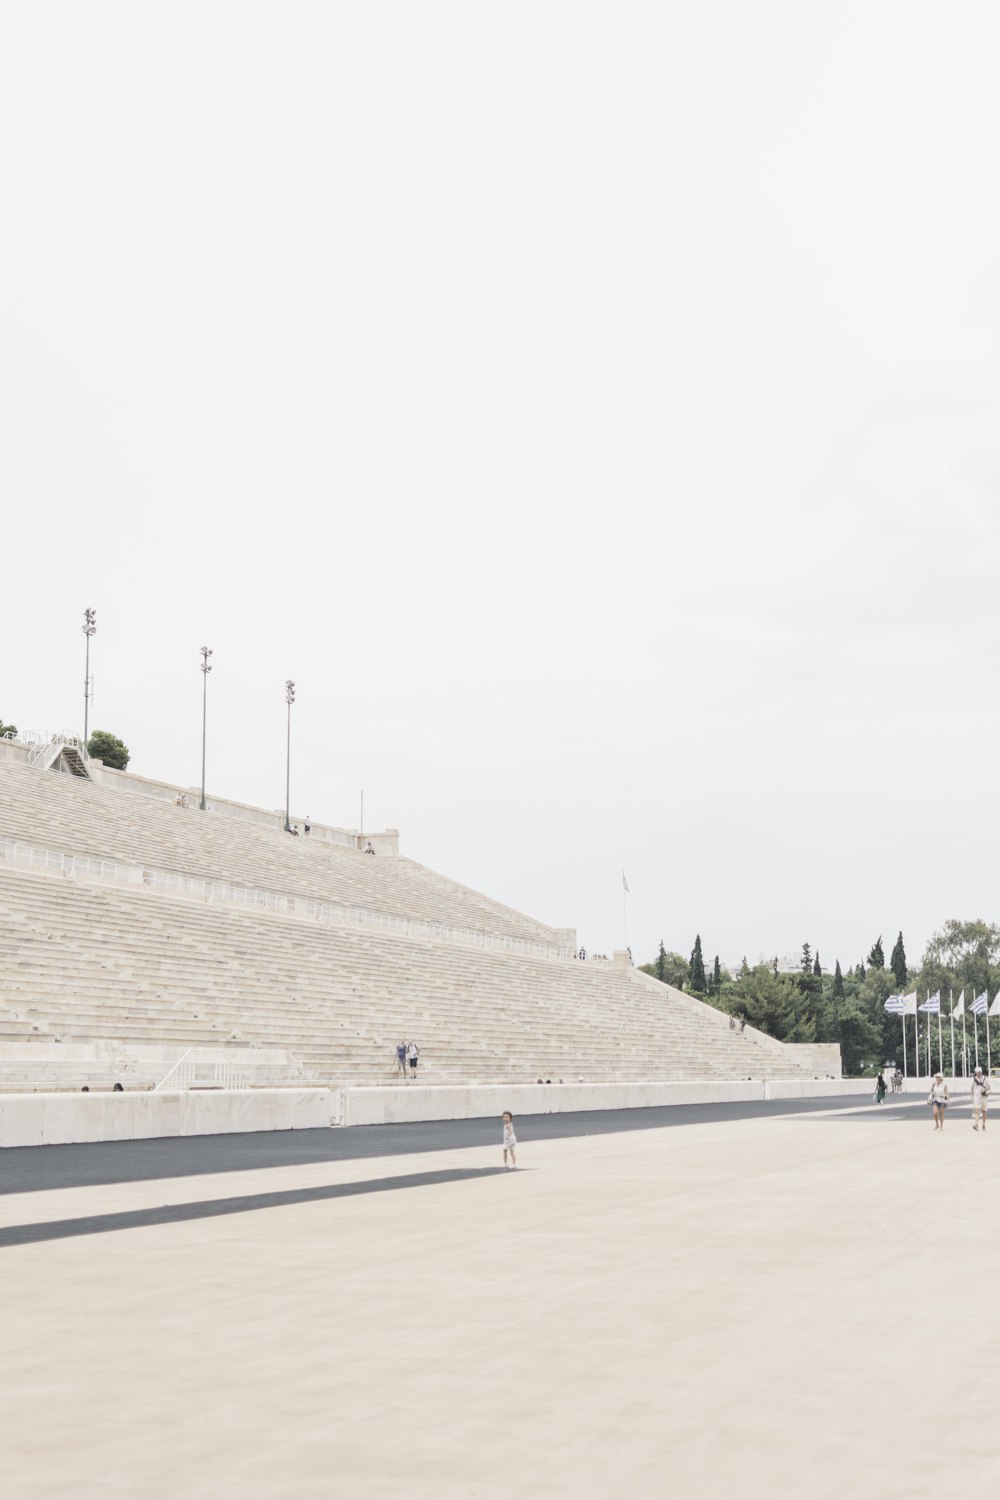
{"x": 806, "y": 961}
{"x": 661, "y": 964}
{"x": 716, "y": 977}
{"x": 108, "y": 748}
{"x": 897, "y": 962}
{"x": 774, "y": 1004}
{"x": 744, "y": 968}
{"x": 838, "y": 982}
{"x": 698, "y": 981}
{"x": 10, "y": 729}
{"x": 817, "y": 967}
{"x": 675, "y": 969}
{"x": 859, "y": 973}
{"x": 876, "y": 958}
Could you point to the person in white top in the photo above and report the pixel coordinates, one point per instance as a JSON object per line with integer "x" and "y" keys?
{"x": 412, "y": 1054}
{"x": 509, "y": 1140}
{"x": 938, "y": 1097}
{"x": 980, "y": 1098}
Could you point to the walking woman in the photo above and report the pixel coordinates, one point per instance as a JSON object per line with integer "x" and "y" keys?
{"x": 938, "y": 1099}
{"x": 879, "y": 1088}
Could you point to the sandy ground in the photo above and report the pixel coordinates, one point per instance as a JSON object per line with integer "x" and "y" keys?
{"x": 797, "y": 1306}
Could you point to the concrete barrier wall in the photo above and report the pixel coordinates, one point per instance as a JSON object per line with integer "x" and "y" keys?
{"x": 53, "y": 1119}
{"x": 389, "y": 1106}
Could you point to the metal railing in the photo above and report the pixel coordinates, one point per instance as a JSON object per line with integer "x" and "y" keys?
{"x": 192, "y": 1072}
{"x": 217, "y": 892}
{"x": 56, "y": 743}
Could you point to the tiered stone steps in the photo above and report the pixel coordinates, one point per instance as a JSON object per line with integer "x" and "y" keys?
{"x": 84, "y": 962}
{"x": 80, "y": 817}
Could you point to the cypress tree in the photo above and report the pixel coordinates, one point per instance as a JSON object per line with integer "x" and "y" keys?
{"x": 838, "y": 983}
{"x": 716, "y": 977}
{"x": 817, "y": 971}
{"x": 698, "y": 981}
{"x": 860, "y": 971}
{"x": 897, "y": 962}
{"x": 876, "y": 958}
{"x": 661, "y": 964}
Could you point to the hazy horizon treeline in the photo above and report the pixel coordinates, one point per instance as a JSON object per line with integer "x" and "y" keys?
{"x": 820, "y": 1003}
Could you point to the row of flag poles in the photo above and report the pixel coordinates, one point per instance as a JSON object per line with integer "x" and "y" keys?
{"x": 906, "y": 1005}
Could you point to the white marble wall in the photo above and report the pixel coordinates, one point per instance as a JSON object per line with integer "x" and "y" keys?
{"x": 54, "y": 1119}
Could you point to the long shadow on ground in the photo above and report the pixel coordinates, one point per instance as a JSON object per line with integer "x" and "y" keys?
{"x": 214, "y": 1208}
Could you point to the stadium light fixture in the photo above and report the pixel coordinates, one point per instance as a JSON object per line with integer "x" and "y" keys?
{"x": 289, "y": 699}
{"x": 205, "y": 669}
{"x": 89, "y": 627}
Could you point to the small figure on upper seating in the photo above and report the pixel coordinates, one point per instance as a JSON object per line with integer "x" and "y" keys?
{"x": 412, "y": 1054}
{"x": 118, "y": 1089}
{"x": 307, "y": 825}
{"x": 582, "y": 954}
{"x": 368, "y": 847}
{"x": 295, "y": 830}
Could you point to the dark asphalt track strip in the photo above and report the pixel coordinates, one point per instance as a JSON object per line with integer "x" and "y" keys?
{"x": 26, "y": 1169}
{"x": 214, "y": 1208}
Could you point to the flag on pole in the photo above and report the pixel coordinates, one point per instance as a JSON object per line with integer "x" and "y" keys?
{"x": 910, "y": 1004}
{"x": 979, "y": 1005}
{"x": 994, "y": 1009}
{"x": 959, "y": 1009}
{"x": 624, "y": 881}
{"x": 932, "y": 1005}
{"x": 902, "y": 1005}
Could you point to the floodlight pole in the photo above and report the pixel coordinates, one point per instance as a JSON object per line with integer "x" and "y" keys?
{"x": 89, "y": 627}
{"x": 205, "y": 669}
{"x": 289, "y": 699}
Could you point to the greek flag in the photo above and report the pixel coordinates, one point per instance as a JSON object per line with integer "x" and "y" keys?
{"x": 979, "y": 1005}
{"x": 933, "y": 1004}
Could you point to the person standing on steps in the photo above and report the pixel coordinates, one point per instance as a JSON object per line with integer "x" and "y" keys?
{"x": 401, "y": 1059}
{"x": 980, "y": 1098}
{"x": 307, "y": 825}
{"x": 412, "y": 1054}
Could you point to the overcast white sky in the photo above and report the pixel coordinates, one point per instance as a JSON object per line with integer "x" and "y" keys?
{"x": 593, "y": 408}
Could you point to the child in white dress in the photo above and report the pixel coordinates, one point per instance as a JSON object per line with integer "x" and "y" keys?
{"x": 509, "y": 1140}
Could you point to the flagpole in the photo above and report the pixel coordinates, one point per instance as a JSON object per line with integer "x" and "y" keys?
{"x": 975, "y": 1025}
{"x": 625, "y": 908}
{"x": 903, "y": 1019}
{"x": 965, "y": 1044}
{"x": 940, "y": 1051}
{"x": 989, "y": 1065}
{"x": 916, "y": 1042}
{"x": 951, "y": 1003}
{"x": 929, "y": 1064}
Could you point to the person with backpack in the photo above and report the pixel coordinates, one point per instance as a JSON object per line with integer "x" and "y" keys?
{"x": 412, "y": 1054}
{"x": 980, "y": 1098}
{"x": 401, "y": 1059}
